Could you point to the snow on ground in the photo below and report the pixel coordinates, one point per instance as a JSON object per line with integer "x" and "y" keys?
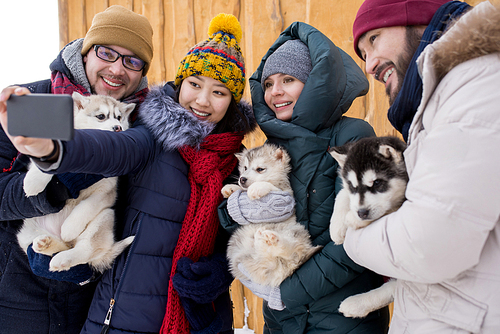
{"x": 245, "y": 329}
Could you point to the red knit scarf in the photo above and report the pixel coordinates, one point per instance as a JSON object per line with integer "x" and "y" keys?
{"x": 208, "y": 167}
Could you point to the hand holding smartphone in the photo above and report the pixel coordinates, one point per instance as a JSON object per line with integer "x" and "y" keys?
{"x": 41, "y": 116}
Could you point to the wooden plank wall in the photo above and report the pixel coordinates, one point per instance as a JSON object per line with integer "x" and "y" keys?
{"x": 179, "y": 24}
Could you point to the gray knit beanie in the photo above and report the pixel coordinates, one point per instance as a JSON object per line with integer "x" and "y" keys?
{"x": 291, "y": 58}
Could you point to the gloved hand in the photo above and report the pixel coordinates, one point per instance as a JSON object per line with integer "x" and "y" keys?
{"x": 202, "y": 281}
{"x": 270, "y": 294}
{"x": 39, "y": 263}
{"x": 275, "y": 207}
{"x": 75, "y": 182}
{"x": 201, "y": 317}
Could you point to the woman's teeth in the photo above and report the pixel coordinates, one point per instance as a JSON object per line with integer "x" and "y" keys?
{"x": 111, "y": 83}
{"x": 202, "y": 114}
{"x": 282, "y": 104}
{"x": 387, "y": 74}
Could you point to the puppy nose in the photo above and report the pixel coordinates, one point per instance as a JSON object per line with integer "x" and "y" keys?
{"x": 117, "y": 128}
{"x": 363, "y": 213}
{"x": 243, "y": 180}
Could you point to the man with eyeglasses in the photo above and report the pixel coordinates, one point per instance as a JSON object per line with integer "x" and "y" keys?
{"x": 113, "y": 60}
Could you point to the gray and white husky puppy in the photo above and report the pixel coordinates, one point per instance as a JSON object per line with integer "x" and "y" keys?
{"x": 269, "y": 252}
{"x": 82, "y": 232}
{"x": 374, "y": 180}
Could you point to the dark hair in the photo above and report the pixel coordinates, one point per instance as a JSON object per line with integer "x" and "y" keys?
{"x": 233, "y": 121}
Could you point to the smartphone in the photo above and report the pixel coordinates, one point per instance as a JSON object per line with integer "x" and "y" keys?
{"x": 41, "y": 116}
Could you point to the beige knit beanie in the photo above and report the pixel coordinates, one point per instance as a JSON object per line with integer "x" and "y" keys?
{"x": 122, "y": 27}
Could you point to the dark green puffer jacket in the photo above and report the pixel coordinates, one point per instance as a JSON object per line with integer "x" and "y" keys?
{"x": 313, "y": 293}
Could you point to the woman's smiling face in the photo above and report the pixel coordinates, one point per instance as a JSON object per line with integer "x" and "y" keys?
{"x": 206, "y": 98}
{"x": 281, "y": 93}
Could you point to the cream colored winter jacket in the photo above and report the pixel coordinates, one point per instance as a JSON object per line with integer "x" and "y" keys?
{"x": 443, "y": 244}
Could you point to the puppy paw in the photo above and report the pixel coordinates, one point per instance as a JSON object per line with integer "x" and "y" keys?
{"x": 338, "y": 230}
{"x": 229, "y": 189}
{"x": 266, "y": 237}
{"x": 260, "y": 189}
{"x": 33, "y": 188}
{"x": 35, "y": 182}
{"x": 60, "y": 262}
{"x": 353, "y": 307}
{"x": 42, "y": 243}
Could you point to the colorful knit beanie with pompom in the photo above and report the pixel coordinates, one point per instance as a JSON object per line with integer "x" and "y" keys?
{"x": 219, "y": 57}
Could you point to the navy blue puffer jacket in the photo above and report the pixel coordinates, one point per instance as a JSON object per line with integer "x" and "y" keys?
{"x": 157, "y": 195}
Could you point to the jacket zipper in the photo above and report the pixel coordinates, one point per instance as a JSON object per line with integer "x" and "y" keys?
{"x": 107, "y": 320}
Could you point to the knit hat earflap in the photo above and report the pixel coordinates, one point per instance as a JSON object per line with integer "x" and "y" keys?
{"x": 219, "y": 57}
{"x": 291, "y": 58}
{"x": 375, "y": 14}
{"x": 122, "y": 27}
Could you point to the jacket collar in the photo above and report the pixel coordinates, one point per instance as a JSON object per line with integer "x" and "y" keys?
{"x": 173, "y": 126}
{"x": 333, "y": 84}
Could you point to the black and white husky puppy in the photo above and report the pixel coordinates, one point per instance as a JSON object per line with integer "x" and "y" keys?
{"x": 374, "y": 177}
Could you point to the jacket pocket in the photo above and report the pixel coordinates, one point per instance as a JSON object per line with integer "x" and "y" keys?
{"x": 448, "y": 305}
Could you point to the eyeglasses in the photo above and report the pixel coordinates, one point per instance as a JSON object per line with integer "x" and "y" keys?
{"x": 110, "y": 55}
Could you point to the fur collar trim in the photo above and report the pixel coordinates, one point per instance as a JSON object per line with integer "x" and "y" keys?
{"x": 173, "y": 126}
{"x": 475, "y": 34}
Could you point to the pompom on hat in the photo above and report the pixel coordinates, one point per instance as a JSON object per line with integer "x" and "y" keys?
{"x": 219, "y": 57}
{"x": 122, "y": 27}
{"x": 375, "y": 14}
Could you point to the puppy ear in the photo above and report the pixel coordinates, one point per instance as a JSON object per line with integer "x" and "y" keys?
{"x": 281, "y": 155}
{"x": 239, "y": 156}
{"x": 390, "y": 152}
{"x": 337, "y": 155}
{"x": 79, "y": 100}
{"x": 128, "y": 108}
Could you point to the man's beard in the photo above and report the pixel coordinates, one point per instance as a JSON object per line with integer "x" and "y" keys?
{"x": 413, "y": 38}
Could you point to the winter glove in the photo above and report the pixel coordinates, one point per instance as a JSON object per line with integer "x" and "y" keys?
{"x": 202, "y": 281}
{"x": 201, "y": 317}
{"x": 39, "y": 263}
{"x": 75, "y": 182}
{"x": 270, "y": 294}
{"x": 275, "y": 207}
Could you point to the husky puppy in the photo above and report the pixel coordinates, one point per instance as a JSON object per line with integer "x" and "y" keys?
{"x": 270, "y": 252}
{"x": 374, "y": 177}
{"x": 82, "y": 232}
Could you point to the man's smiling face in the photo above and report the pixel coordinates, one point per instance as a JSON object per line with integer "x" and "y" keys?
{"x": 388, "y": 53}
{"x": 111, "y": 79}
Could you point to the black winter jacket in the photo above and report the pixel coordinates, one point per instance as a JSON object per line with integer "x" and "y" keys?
{"x": 29, "y": 303}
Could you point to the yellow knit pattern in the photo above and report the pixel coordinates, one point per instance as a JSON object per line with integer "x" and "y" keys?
{"x": 218, "y": 57}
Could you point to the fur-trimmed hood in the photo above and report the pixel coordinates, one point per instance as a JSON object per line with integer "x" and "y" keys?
{"x": 475, "y": 34}
{"x": 173, "y": 126}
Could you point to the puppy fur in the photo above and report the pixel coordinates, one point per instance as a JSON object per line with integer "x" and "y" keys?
{"x": 374, "y": 180}
{"x": 82, "y": 232}
{"x": 270, "y": 252}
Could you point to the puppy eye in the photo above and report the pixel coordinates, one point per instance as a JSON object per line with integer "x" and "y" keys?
{"x": 352, "y": 188}
{"x": 260, "y": 170}
{"x": 101, "y": 117}
{"x": 245, "y": 168}
{"x": 119, "y": 118}
{"x": 378, "y": 185}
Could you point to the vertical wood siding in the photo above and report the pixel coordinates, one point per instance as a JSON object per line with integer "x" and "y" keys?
{"x": 179, "y": 24}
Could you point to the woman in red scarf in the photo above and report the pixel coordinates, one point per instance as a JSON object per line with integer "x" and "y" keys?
{"x": 174, "y": 277}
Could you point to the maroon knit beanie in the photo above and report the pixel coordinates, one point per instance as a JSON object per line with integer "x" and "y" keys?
{"x": 374, "y": 14}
